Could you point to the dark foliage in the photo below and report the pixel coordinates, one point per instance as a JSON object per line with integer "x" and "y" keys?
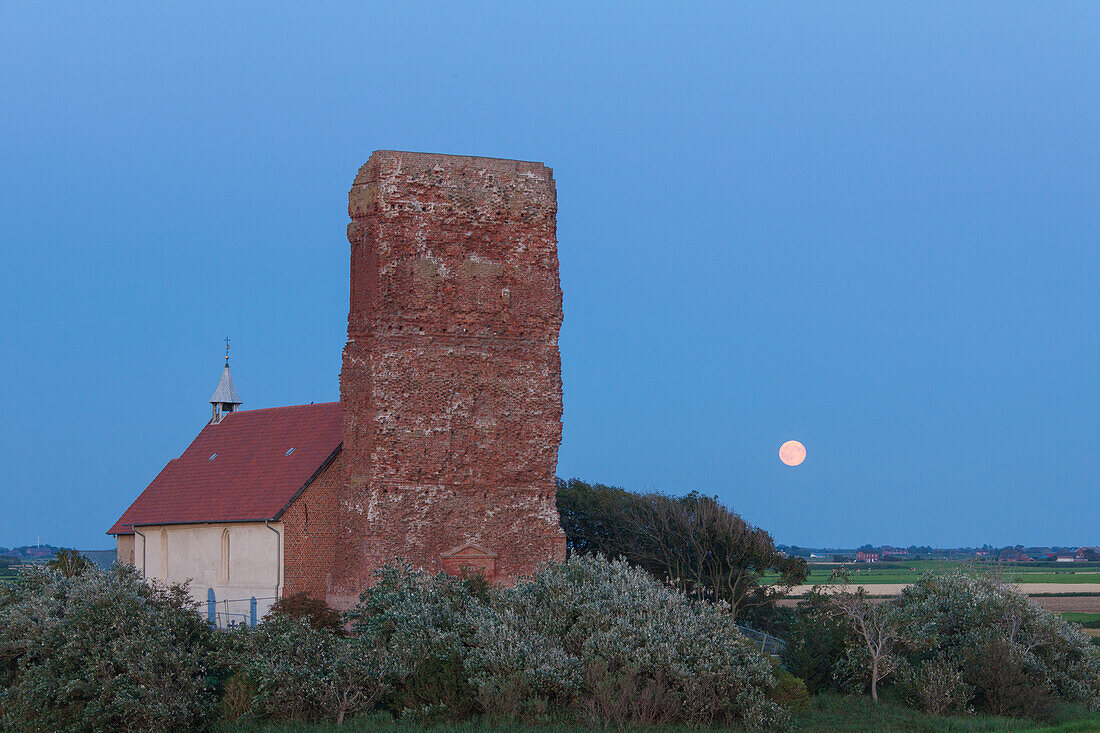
{"x": 1004, "y": 684}
{"x": 69, "y": 563}
{"x": 790, "y": 692}
{"x": 438, "y": 687}
{"x": 692, "y": 542}
{"x": 779, "y": 621}
{"x": 817, "y": 642}
{"x": 319, "y": 614}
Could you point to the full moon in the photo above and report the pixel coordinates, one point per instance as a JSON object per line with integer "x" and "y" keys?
{"x": 792, "y": 453}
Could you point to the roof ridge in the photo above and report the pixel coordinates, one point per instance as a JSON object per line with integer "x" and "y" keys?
{"x": 241, "y": 468}
{"x": 283, "y": 407}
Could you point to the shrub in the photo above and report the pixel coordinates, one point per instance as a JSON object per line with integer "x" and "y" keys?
{"x": 691, "y": 542}
{"x": 1003, "y": 641}
{"x": 603, "y": 636}
{"x": 601, "y": 639}
{"x": 1007, "y": 683}
{"x": 421, "y": 624}
{"x": 102, "y": 651}
{"x": 628, "y": 695}
{"x": 319, "y": 614}
{"x": 237, "y": 695}
{"x": 937, "y": 685}
{"x": 292, "y": 671}
{"x": 790, "y": 692}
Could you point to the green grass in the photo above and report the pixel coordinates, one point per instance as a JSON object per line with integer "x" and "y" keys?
{"x": 828, "y": 714}
{"x": 848, "y": 714}
{"x": 1088, "y": 620}
{"x": 909, "y": 572}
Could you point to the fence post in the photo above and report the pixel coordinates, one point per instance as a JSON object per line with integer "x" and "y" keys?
{"x": 252, "y": 610}
{"x": 211, "y": 608}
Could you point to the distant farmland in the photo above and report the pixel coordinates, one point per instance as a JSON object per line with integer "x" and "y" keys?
{"x": 903, "y": 573}
{"x": 1057, "y": 587}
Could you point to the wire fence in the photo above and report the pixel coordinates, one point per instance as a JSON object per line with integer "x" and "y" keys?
{"x": 230, "y": 613}
{"x": 770, "y": 645}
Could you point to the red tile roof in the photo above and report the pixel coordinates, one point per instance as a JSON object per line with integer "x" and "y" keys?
{"x": 239, "y": 470}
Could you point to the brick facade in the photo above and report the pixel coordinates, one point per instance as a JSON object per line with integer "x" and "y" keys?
{"x": 451, "y": 379}
{"x": 311, "y": 532}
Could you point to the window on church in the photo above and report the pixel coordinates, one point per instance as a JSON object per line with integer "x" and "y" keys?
{"x": 223, "y": 572}
{"x": 163, "y": 565}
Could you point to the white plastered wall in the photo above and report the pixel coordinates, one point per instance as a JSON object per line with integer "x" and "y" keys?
{"x": 238, "y": 561}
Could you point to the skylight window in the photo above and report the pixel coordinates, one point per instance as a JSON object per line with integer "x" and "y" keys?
{"x": 212, "y": 456}
{"x": 289, "y": 452}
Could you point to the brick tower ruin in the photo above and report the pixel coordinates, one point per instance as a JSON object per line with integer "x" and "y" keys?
{"x": 451, "y": 379}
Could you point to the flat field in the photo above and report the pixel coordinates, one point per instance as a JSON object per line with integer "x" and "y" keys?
{"x": 1031, "y": 589}
{"x": 1064, "y": 588}
{"x": 907, "y": 572}
{"x": 1070, "y": 604}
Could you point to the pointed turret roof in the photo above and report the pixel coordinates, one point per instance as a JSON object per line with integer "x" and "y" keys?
{"x": 226, "y": 393}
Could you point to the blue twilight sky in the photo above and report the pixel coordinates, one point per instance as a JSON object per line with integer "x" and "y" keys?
{"x": 871, "y": 227}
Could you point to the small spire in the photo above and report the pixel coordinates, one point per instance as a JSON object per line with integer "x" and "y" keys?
{"x": 225, "y": 399}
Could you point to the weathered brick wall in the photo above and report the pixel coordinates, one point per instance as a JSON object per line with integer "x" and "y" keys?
{"x": 451, "y": 381}
{"x": 311, "y": 532}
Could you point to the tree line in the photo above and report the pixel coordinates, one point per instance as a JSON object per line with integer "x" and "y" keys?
{"x": 693, "y": 543}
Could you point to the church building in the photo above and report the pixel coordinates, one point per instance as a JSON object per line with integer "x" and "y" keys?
{"x": 442, "y": 450}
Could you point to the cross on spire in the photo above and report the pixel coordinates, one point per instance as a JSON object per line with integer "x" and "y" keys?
{"x": 225, "y": 399}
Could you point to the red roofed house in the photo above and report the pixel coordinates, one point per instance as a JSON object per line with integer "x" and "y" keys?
{"x": 443, "y": 448}
{"x": 221, "y": 514}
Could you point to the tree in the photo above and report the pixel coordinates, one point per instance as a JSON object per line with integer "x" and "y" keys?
{"x": 69, "y": 563}
{"x": 817, "y": 642}
{"x": 692, "y": 542}
{"x": 876, "y": 628}
{"x": 595, "y": 518}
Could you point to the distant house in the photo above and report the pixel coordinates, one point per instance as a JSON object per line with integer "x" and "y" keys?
{"x": 1066, "y": 557}
{"x": 1086, "y": 554}
{"x": 1011, "y": 554}
{"x": 862, "y": 556}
